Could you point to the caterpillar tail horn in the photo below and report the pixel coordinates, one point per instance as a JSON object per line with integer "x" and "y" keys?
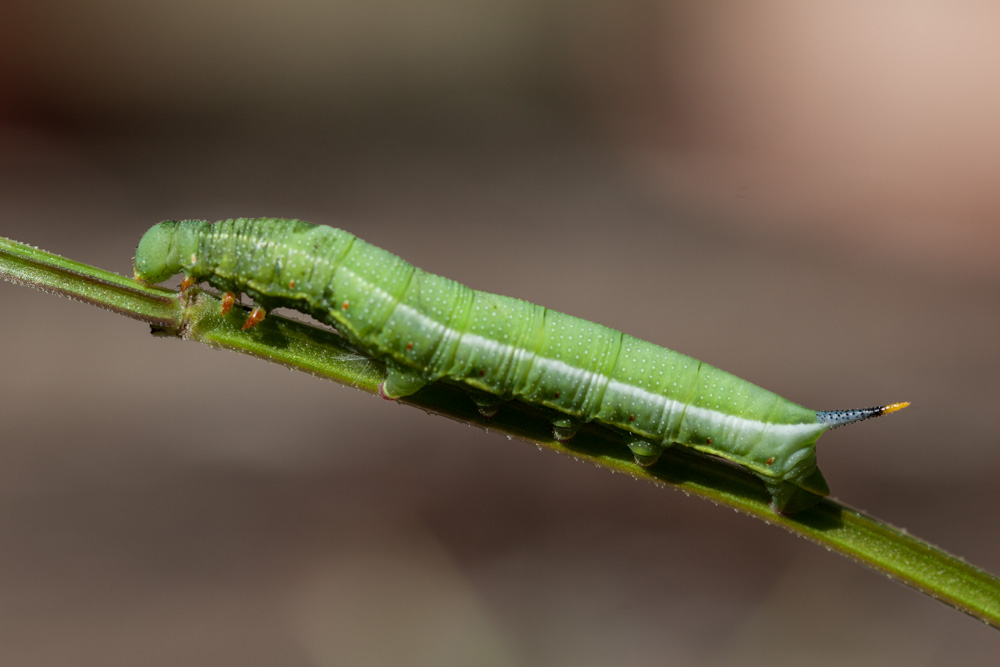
{"x": 837, "y": 418}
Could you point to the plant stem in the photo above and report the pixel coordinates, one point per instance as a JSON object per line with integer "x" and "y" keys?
{"x": 197, "y": 316}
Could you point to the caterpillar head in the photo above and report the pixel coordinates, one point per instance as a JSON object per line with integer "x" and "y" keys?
{"x": 156, "y": 258}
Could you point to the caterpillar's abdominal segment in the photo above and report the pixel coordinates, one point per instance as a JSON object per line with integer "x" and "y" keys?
{"x": 427, "y": 328}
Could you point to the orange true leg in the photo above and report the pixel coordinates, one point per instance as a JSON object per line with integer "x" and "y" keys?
{"x": 228, "y": 299}
{"x": 256, "y": 315}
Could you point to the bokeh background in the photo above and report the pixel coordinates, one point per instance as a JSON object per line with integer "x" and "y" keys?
{"x": 801, "y": 193}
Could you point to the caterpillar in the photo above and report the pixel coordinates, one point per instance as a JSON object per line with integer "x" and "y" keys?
{"x": 427, "y": 328}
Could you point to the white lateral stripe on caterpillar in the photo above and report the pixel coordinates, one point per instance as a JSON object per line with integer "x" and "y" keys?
{"x": 712, "y": 423}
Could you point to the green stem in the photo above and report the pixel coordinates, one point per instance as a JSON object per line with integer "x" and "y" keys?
{"x": 322, "y": 352}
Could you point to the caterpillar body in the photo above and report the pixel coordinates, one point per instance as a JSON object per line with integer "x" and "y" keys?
{"x": 427, "y": 328}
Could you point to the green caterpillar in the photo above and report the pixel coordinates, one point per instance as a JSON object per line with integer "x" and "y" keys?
{"x": 428, "y": 328}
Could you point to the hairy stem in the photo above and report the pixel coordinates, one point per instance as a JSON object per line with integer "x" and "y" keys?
{"x": 322, "y": 352}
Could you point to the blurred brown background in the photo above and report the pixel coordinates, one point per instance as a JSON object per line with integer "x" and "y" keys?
{"x": 799, "y": 193}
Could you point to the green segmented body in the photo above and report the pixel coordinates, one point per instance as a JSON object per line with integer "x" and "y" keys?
{"x": 428, "y": 328}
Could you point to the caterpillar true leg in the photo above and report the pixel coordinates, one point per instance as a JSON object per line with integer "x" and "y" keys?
{"x": 228, "y": 299}
{"x": 256, "y": 316}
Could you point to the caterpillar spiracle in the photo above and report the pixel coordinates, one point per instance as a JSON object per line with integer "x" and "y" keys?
{"x": 427, "y": 328}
